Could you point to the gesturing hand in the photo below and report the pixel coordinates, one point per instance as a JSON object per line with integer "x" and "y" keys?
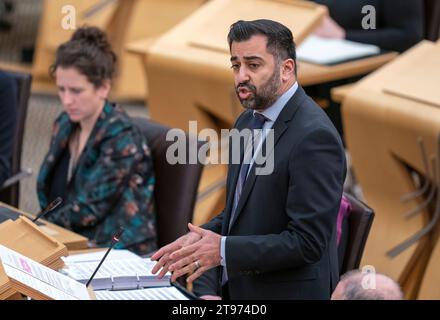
{"x": 163, "y": 254}
{"x": 197, "y": 257}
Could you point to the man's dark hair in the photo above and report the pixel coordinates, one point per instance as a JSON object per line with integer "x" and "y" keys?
{"x": 280, "y": 41}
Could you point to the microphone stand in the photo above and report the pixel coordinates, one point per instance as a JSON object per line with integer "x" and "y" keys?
{"x": 115, "y": 240}
{"x": 52, "y": 206}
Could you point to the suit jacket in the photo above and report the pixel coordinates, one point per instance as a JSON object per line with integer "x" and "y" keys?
{"x": 112, "y": 185}
{"x": 282, "y": 242}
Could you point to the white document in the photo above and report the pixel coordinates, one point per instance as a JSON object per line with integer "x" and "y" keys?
{"x": 114, "y": 254}
{"x": 41, "y": 278}
{"x": 164, "y": 293}
{"x": 117, "y": 274}
{"x": 320, "y": 50}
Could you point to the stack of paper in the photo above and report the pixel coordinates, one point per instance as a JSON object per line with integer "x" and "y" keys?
{"x": 121, "y": 270}
{"x": 326, "y": 51}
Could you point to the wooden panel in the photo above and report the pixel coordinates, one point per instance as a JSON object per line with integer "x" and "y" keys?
{"x": 423, "y": 82}
{"x": 125, "y": 21}
{"x": 300, "y": 17}
{"x": 339, "y": 93}
{"x": 70, "y": 239}
{"x": 381, "y": 132}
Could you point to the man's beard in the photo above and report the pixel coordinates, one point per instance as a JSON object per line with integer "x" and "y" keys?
{"x": 266, "y": 95}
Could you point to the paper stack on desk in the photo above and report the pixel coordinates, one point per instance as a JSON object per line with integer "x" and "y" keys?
{"x": 325, "y": 51}
{"x": 121, "y": 270}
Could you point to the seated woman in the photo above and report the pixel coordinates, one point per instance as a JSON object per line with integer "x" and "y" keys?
{"x": 98, "y": 162}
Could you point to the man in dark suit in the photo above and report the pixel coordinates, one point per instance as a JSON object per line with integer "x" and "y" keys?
{"x": 276, "y": 237}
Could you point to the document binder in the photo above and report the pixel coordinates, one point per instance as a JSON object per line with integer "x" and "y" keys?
{"x": 117, "y": 274}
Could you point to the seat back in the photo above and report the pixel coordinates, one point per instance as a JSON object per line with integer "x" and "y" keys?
{"x": 432, "y": 20}
{"x": 176, "y": 185}
{"x": 11, "y": 194}
{"x": 356, "y": 228}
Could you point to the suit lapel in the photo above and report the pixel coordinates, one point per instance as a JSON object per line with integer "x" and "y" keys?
{"x": 279, "y": 127}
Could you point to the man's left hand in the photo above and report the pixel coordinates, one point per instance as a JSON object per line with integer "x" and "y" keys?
{"x": 197, "y": 257}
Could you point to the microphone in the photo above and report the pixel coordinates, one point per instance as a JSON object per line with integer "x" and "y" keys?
{"x": 115, "y": 240}
{"x": 52, "y": 206}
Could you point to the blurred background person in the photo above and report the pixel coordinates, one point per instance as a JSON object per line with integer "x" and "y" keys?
{"x": 98, "y": 162}
{"x": 398, "y": 24}
{"x": 358, "y": 285}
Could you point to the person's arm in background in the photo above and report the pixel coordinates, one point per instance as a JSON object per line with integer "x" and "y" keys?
{"x": 8, "y": 105}
{"x": 399, "y": 26}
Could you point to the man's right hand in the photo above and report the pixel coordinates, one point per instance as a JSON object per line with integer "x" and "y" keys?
{"x": 162, "y": 255}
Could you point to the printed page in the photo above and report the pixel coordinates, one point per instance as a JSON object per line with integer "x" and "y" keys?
{"x": 41, "y": 278}
{"x": 319, "y": 50}
{"x": 110, "y": 268}
{"x": 115, "y": 254}
{"x": 134, "y": 268}
{"x": 163, "y": 293}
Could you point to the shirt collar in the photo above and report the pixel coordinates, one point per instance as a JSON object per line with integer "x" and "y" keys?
{"x": 275, "y": 109}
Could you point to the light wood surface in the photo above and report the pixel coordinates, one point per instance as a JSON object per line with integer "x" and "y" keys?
{"x": 188, "y": 67}
{"x": 310, "y": 74}
{"x": 71, "y": 240}
{"x": 381, "y": 131}
{"x": 124, "y": 21}
{"x": 339, "y": 93}
{"x": 422, "y": 85}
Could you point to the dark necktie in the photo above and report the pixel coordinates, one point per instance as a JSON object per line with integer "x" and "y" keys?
{"x": 256, "y": 123}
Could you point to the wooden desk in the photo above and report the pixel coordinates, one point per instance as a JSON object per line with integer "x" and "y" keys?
{"x": 71, "y": 240}
{"x": 189, "y": 69}
{"x": 339, "y": 93}
{"x": 124, "y": 21}
{"x": 381, "y": 132}
{"x": 310, "y": 74}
